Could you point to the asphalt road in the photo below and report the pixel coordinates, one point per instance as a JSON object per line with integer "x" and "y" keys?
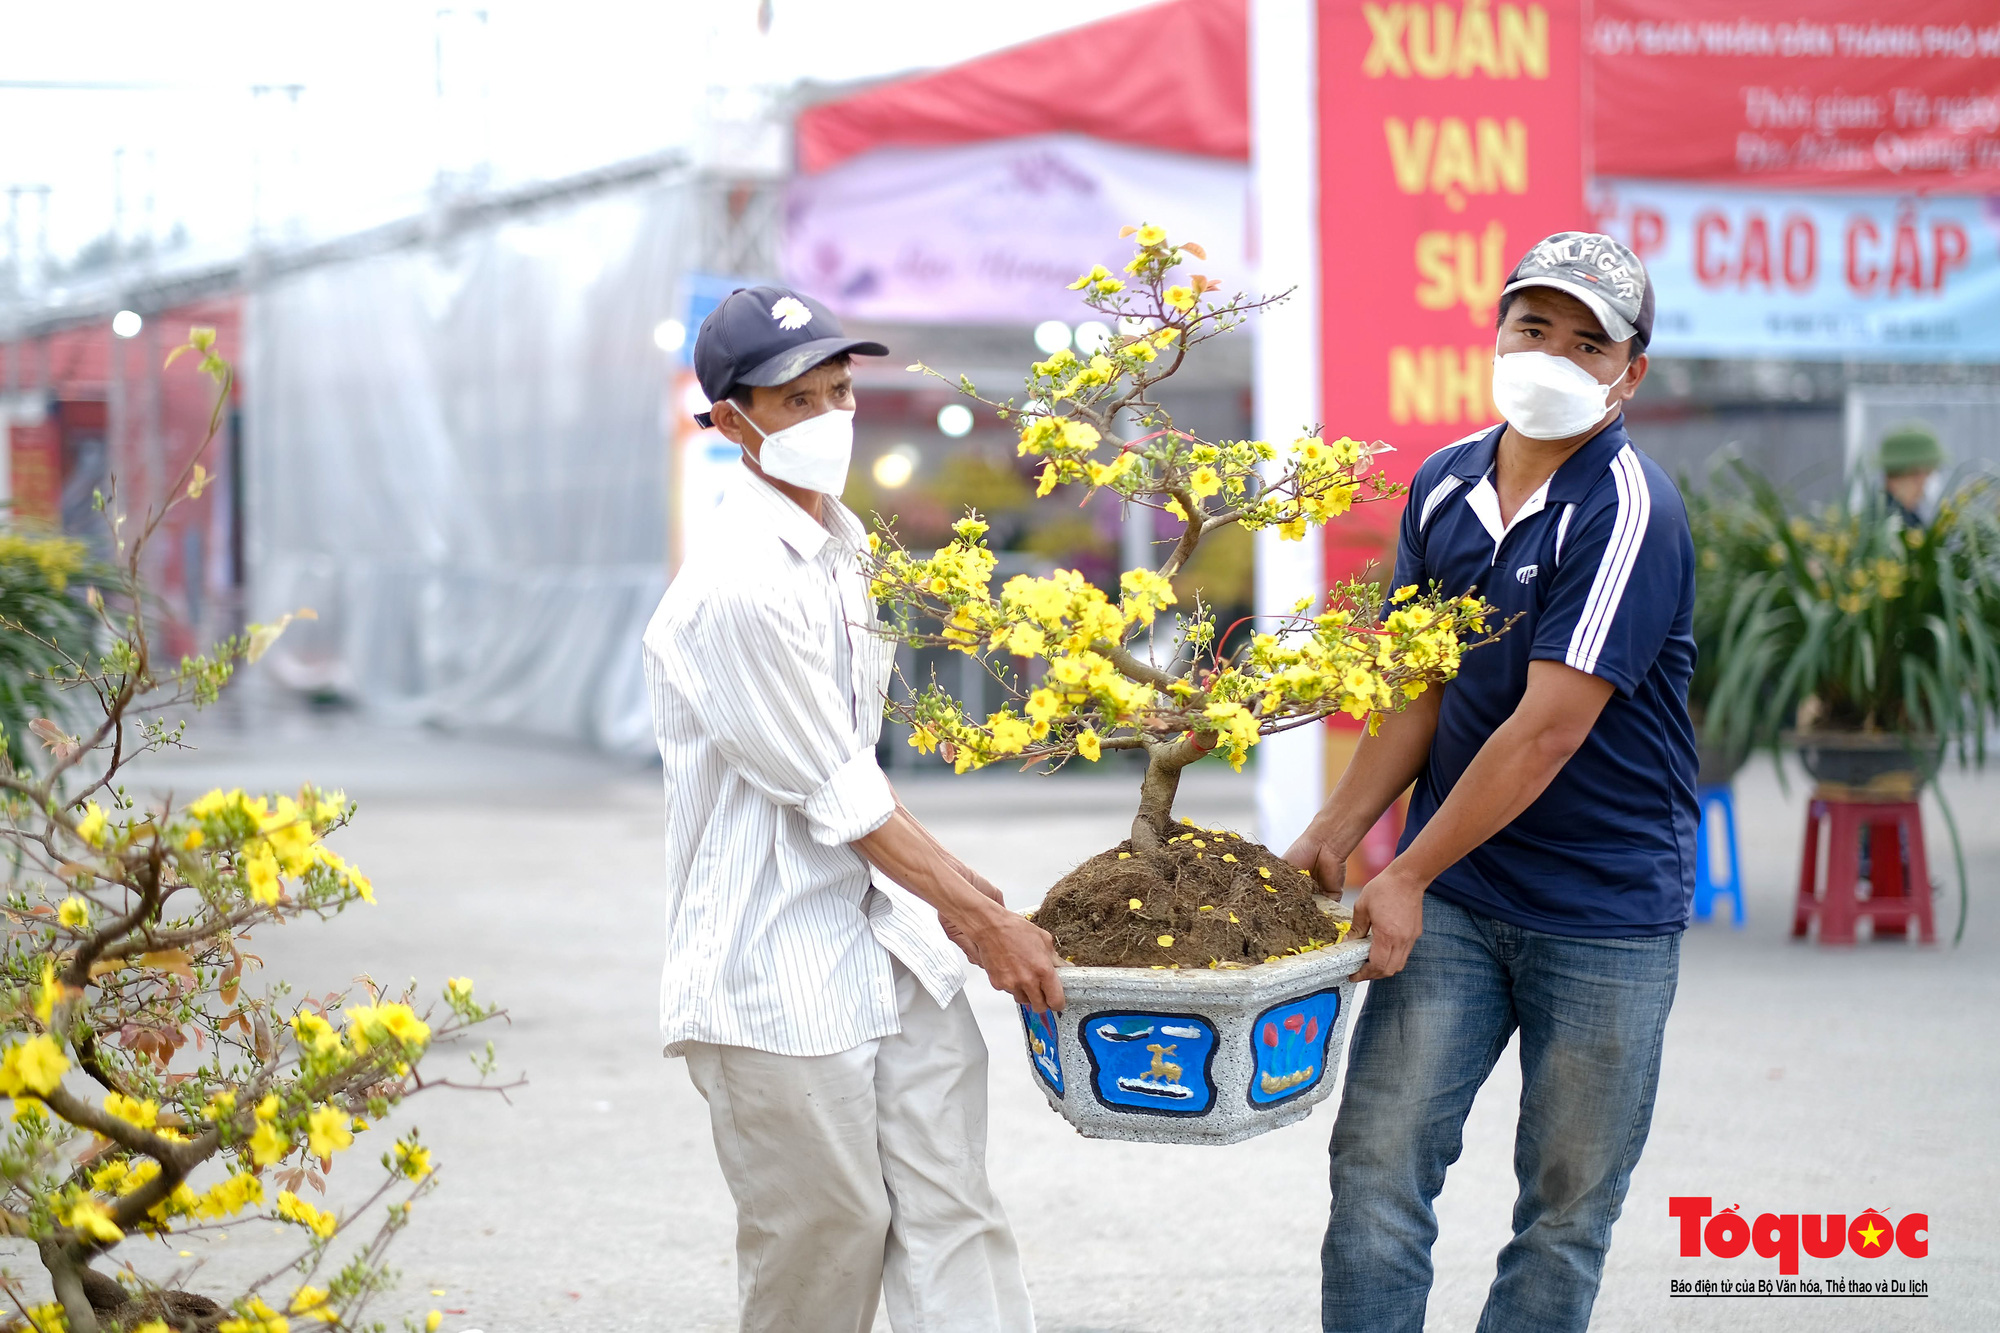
{"x": 1797, "y": 1079}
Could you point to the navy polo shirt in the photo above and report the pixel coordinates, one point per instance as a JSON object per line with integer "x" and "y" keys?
{"x": 1597, "y": 571}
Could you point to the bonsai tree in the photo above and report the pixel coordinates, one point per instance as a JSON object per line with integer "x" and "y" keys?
{"x": 155, "y": 1092}
{"x": 1096, "y": 677}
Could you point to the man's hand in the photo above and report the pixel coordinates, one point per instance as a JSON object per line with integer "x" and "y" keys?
{"x": 1390, "y": 912}
{"x": 1314, "y": 852}
{"x": 1018, "y": 955}
{"x": 1019, "y": 958}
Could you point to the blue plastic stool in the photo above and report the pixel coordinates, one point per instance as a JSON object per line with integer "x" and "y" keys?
{"x": 1718, "y": 820}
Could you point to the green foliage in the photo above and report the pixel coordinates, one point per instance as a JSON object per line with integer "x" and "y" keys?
{"x": 1844, "y": 618}
{"x": 42, "y": 616}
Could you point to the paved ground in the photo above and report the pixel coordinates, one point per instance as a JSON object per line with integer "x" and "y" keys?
{"x": 1797, "y": 1079}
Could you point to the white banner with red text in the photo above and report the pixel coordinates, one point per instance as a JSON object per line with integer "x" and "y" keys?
{"x": 1815, "y": 276}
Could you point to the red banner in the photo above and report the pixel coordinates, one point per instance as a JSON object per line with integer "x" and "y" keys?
{"x": 1450, "y": 141}
{"x": 1835, "y": 94}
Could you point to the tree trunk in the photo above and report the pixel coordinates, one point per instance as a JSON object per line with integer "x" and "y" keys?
{"x": 1156, "y": 794}
{"x": 66, "y": 1277}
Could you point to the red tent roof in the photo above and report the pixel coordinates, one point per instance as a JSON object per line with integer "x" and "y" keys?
{"x": 1173, "y": 76}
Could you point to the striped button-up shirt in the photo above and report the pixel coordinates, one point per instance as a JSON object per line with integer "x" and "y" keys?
{"x": 767, "y": 679}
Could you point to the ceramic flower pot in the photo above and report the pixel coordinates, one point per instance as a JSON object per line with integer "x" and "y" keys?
{"x": 1872, "y": 761}
{"x": 1194, "y": 1056}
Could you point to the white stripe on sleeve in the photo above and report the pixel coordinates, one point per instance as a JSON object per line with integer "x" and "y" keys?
{"x": 1621, "y": 553}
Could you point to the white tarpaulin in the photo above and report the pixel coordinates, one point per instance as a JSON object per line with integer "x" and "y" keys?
{"x": 990, "y": 233}
{"x": 455, "y": 457}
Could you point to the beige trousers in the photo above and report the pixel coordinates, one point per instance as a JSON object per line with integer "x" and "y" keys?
{"x": 863, "y": 1175}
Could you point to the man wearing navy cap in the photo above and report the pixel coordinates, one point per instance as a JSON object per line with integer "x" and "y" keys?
{"x": 818, "y": 1000}
{"x": 1544, "y": 878}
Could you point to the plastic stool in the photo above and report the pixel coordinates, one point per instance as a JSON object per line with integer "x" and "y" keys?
{"x": 1712, "y": 880}
{"x": 1899, "y": 881}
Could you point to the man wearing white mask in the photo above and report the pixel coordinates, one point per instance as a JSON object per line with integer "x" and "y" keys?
{"x": 1546, "y": 872}
{"x": 818, "y": 1002}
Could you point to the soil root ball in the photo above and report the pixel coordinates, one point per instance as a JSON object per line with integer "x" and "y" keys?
{"x": 1207, "y": 898}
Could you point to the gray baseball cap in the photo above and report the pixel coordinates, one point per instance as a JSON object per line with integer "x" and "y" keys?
{"x": 1596, "y": 270}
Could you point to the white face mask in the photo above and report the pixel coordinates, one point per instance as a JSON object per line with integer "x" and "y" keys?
{"x": 1547, "y": 397}
{"x": 812, "y": 454}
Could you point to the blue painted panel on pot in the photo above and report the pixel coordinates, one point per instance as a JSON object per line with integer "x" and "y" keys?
{"x": 1288, "y": 1043}
{"x": 1155, "y": 1064}
{"x": 1044, "y": 1051}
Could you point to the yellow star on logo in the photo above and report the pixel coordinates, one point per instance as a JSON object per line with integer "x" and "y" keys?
{"x": 1871, "y": 1235}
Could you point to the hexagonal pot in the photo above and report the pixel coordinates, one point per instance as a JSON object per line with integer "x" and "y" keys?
{"x": 1196, "y": 1055}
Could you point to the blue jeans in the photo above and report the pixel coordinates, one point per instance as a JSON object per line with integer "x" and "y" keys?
{"x": 1591, "y": 1014}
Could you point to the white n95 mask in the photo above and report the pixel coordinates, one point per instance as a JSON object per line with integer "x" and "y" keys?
{"x": 813, "y": 454}
{"x": 1547, "y": 397}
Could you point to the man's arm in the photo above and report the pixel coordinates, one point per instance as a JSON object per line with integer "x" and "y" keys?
{"x": 1383, "y": 766}
{"x": 779, "y": 720}
{"x": 1513, "y": 768}
{"x": 1018, "y": 955}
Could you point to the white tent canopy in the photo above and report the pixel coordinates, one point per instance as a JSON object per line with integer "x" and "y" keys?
{"x": 454, "y": 455}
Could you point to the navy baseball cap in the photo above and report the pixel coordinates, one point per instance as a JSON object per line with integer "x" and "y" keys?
{"x": 1597, "y": 271}
{"x": 761, "y": 336}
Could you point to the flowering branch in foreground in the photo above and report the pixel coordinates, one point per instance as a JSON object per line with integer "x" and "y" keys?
{"x": 153, "y": 1092}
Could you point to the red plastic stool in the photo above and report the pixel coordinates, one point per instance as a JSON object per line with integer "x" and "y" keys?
{"x": 1899, "y": 881}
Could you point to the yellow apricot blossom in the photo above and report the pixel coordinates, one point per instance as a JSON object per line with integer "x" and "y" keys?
{"x": 35, "y": 1065}
{"x": 327, "y": 1132}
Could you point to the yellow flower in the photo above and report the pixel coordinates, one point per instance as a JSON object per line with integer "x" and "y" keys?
{"x": 327, "y": 1132}
{"x": 370, "y": 1024}
{"x": 35, "y": 1065}
{"x": 1088, "y": 745}
{"x": 74, "y": 913}
{"x": 1010, "y": 734}
{"x": 413, "y": 1160}
{"x": 1293, "y": 530}
{"x": 1134, "y": 903}
{"x": 133, "y": 1111}
{"x": 458, "y": 990}
{"x": 1166, "y": 941}
{"x": 1150, "y": 235}
{"x": 257, "y": 1318}
{"x": 1180, "y": 298}
{"x": 51, "y": 992}
{"x": 267, "y": 1145}
{"x": 261, "y": 874}
{"x": 88, "y": 1217}
{"x": 1026, "y": 641}
{"x": 311, "y": 1302}
{"x": 294, "y": 1209}
{"x": 1097, "y": 274}
{"x": 91, "y": 827}
{"x": 1264, "y": 871}
{"x": 1204, "y": 481}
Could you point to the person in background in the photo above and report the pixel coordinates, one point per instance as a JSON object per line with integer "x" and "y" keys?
{"x": 810, "y": 979}
{"x": 1911, "y": 456}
